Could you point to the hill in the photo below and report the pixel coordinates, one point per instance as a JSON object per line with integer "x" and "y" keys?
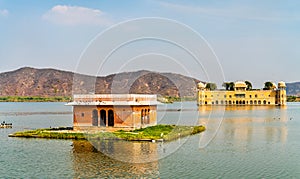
{"x": 293, "y": 89}
{"x": 51, "y": 82}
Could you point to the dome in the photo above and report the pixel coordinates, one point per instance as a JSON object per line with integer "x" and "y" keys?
{"x": 201, "y": 85}
{"x": 240, "y": 84}
{"x": 281, "y": 84}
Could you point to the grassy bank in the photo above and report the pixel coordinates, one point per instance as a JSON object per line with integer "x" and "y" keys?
{"x": 159, "y": 132}
{"x": 293, "y": 99}
{"x": 34, "y": 99}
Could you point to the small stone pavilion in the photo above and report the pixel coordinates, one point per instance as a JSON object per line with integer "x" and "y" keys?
{"x": 110, "y": 112}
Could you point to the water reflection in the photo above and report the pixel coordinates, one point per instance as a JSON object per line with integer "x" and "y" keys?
{"x": 243, "y": 124}
{"x": 88, "y": 162}
{"x": 128, "y": 151}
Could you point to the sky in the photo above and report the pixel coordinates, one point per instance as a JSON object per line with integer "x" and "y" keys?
{"x": 233, "y": 40}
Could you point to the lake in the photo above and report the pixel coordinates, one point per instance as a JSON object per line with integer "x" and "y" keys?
{"x": 240, "y": 142}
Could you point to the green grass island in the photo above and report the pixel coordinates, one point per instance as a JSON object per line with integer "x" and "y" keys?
{"x": 153, "y": 133}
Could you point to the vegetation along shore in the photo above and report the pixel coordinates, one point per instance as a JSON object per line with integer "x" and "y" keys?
{"x": 34, "y": 99}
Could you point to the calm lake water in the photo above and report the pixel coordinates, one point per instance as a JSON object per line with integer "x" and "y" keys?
{"x": 251, "y": 142}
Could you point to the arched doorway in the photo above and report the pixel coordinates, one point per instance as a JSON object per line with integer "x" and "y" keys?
{"x": 95, "y": 117}
{"x": 111, "y": 121}
{"x": 102, "y": 117}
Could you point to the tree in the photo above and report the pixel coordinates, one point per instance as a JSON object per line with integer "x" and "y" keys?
{"x": 231, "y": 86}
{"x": 268, "y": 85}
{"x": 249, "y": 85}
{"x": 211, "y": 86}
{"x": 228, "y": 86}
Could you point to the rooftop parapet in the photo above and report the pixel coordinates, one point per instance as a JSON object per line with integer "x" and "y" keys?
{"x": 114, "y": 99}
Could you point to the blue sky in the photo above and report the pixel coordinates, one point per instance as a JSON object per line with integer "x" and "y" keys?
{"x": 253, "y": 40}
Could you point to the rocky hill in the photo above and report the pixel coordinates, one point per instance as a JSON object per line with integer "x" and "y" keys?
{"x": 51, "y": 82}
{"x": 293, "y": 89}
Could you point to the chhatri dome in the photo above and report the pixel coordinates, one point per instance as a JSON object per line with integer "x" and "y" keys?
{"x": 201, "y": 85}
{"x": 281, "y": 84}
{"x": 240, "y": 84}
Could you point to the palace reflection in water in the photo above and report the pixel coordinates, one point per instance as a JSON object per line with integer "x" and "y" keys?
{"x": 89, "y": 162}
{"x": 242, "y": 124}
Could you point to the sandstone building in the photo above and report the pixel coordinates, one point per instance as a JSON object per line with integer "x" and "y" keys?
{"x": 111, "y": 112}
{"x": 241, "y": 96}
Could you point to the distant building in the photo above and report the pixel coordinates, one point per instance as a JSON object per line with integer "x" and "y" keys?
{"x": 113, "y": 111}
{"x": 241, "y": 96}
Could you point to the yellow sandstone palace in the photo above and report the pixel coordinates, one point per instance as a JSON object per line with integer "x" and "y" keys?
{"x": 239, "y": 95}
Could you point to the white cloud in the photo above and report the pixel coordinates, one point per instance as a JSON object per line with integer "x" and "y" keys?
{"x": 3, "y": 12}
{"x": 76, "y": 15}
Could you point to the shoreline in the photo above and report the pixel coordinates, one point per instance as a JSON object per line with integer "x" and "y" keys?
{"x": 152, "y": 133}
{"x": 35, "y": 99}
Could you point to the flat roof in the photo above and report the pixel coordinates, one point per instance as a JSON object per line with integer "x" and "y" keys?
{"x": 115, "y": 96}
{"x": 113, "y": 100}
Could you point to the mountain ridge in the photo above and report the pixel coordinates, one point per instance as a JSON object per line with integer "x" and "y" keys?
{"x": 49, "y": 82}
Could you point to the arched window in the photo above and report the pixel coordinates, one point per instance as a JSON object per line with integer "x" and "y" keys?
{"x": 265, "y": 102}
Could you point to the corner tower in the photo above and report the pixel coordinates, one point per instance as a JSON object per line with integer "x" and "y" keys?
{"x": 200, "y": 93}
{"x": 281, "y": 93}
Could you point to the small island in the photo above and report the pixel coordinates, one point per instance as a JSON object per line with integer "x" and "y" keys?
{"x": 153, "y": 133}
